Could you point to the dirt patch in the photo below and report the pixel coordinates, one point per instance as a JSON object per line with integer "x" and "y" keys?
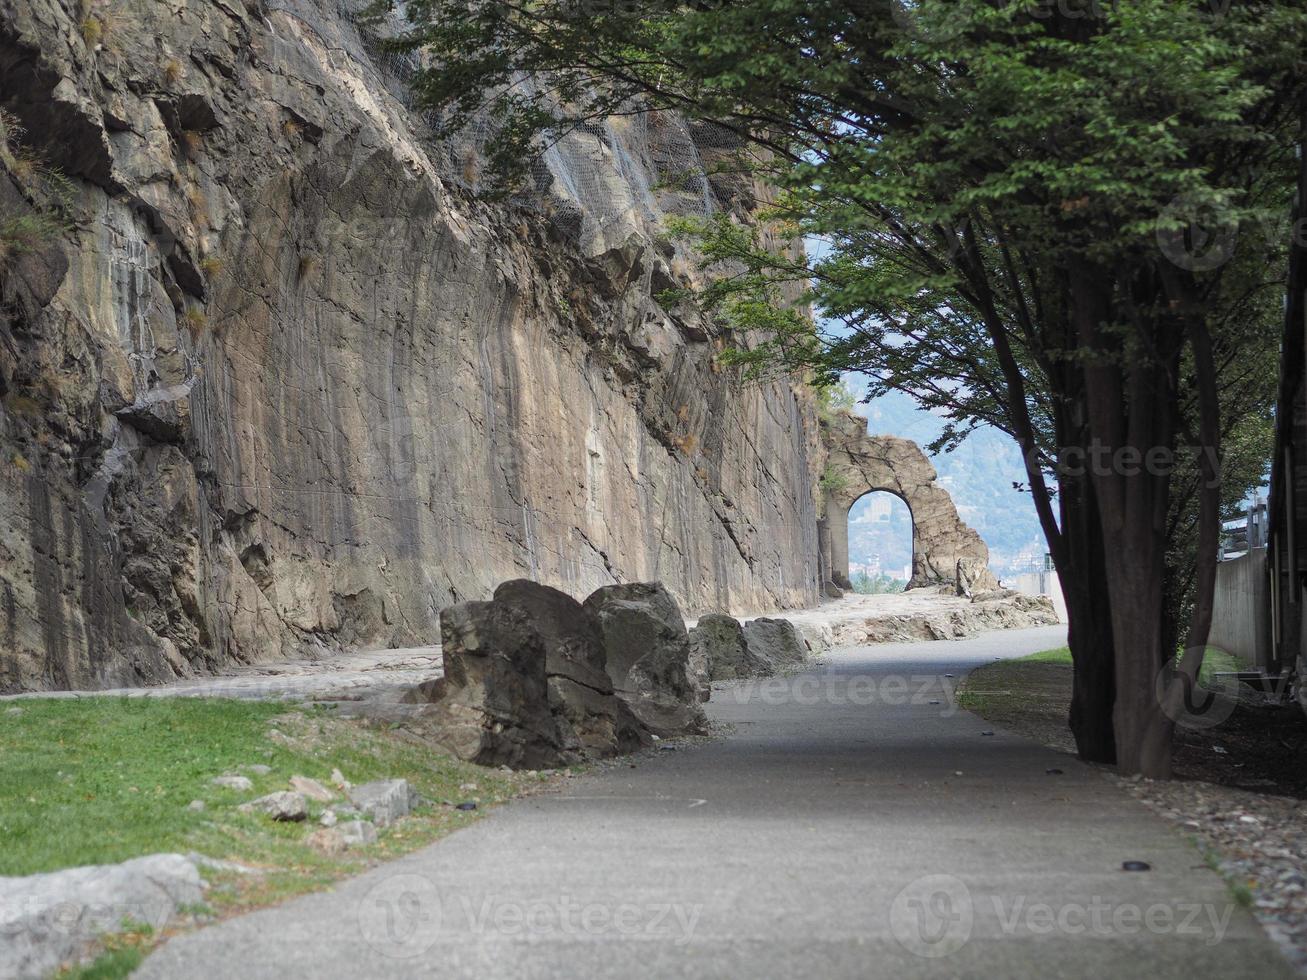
{"x": 1030, "y": 698}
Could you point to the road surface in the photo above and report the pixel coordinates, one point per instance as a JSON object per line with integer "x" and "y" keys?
{"x": 847, "y": 826}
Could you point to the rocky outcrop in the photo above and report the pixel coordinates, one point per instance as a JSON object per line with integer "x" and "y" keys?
{"x": 944, "y": 549}
{"x": 592, "y": 719}
{"x": 956, "y": 619}
{"x": 272, "y": 382}
{"x": 648, "y": 656}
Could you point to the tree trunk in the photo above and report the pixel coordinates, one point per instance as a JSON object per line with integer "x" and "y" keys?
{"x": 1129, "y": 413}
{"x": 1089, "y": 624}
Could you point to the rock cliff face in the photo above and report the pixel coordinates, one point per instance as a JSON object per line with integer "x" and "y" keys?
{"x": 281, "y": 382}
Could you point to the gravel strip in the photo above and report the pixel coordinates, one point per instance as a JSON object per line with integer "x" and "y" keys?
{"x": 1259, "y": 841}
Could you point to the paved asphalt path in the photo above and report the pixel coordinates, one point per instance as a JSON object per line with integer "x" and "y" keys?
{"x": 846, "y": 827}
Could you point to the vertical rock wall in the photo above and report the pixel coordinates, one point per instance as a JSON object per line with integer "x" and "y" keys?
{"x": 283, "y": 384}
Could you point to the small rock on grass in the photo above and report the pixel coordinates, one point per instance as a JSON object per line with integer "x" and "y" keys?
{"x": 240, "y": 784}
{"x": 279, "y": 806}
{"x": 258, "y": 769}
{"x": 327, "y": 840}
{"x": 14, "y": 711}
{"x": 328, "y": 819}
{"x": 357, "y": 832}
{"x": 311, "y": 788}
{"x": 383, "y": 801}
{"x": 195, "y": 806}
{"x": 338, "y": 779}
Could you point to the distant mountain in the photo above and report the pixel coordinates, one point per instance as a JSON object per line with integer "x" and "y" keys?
{"x": 979, "y": 475}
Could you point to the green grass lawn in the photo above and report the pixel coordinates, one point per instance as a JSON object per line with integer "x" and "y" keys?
{"x": 99, "y": 780}
{"x": 1059, "y": 655}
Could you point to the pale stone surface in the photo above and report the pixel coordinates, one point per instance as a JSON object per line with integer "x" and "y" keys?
{"x": 921, "y": 614}
{"x": 327, "y": 840}
{"x": 48, "y": 919}
{"x": 312, "y": 789}
{"x": 285, "y": 389}
{"x": 383, "y": 801}
{"x": 284, "y": 806}
{"x": 357, "y": 832}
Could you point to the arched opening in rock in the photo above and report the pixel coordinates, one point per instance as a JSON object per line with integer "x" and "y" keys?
{"x": 880, "y": 543}
{"x": 945, "y": 551}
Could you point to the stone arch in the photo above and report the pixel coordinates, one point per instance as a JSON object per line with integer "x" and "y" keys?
{"x": 945, "y": 551}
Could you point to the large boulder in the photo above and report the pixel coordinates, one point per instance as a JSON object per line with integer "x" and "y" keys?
{"x": 591, "y": 717}
{"x": 648, "y": 656}
{"x": 775, "y": 641}
{"x": 492, "y": 705}
{"x": 719, "y": 640}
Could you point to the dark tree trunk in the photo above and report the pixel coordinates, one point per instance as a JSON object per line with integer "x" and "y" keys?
{"x": 1129, "y": 406}
{"x": 1083, "y": 574}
